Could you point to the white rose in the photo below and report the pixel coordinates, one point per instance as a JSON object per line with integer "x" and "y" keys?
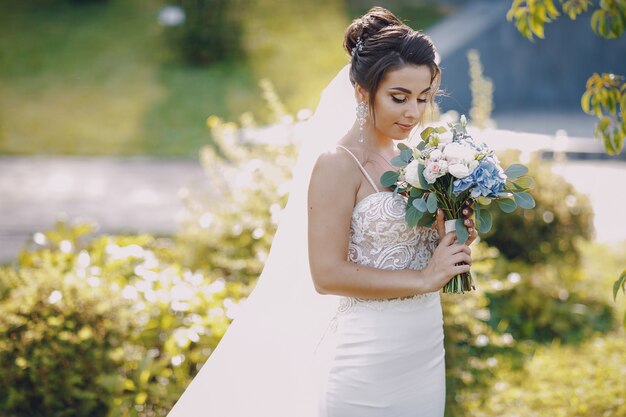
{"x": 445, "y": 137}
{"x": 435, "y": 155}
{"x": 473, "y": 165}
{"x": 455, "y": 152}
{"x": 410, "y": 174}
{"x": 459, "y": 170}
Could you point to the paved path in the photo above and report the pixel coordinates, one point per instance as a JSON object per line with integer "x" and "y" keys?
{"x": 142, "y": 194}
{"x": 119, "y": 194}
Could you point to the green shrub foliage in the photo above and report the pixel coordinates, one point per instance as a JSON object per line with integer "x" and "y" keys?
{"x": 529, "y": 312}
{"x": 112, "y": 325}
{"x": 211, "y": 31}
{"x": 550, "y": 231}
{"x": 57, "y": 338}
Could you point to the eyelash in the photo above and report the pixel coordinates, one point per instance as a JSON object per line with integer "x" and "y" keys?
{"x": 420, "y": 100}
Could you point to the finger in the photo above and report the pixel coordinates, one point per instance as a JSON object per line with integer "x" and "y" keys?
{"x": 448, "y": 239}
{"x": 468, "y": 223}
{"x": 461, "y": 258}
{"x": 467, "y": 212}
{"x": 459, "y": 248}
{"x": 440, "y": 223}
{"x": 460, "y": 269}
{"x": 473, "y": 234}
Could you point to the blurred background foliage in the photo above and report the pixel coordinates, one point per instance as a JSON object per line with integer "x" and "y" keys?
{"x": 104, "y": 77}
{"x": 122, "y": 323}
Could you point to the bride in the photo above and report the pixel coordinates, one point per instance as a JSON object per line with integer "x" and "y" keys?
{"x": 345, "y": 319}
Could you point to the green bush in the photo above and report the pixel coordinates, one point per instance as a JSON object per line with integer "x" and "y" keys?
{"x": 58, "y": 334}
{"x": 529, "y": 312}
{"x": 130, "y": 330}
{"x": 549, "y": 232}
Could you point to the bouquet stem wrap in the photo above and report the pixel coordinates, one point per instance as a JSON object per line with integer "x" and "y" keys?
{"x": 462, "y": 282}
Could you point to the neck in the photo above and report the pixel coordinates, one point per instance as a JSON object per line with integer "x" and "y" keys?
{"x": 372, "y": 139}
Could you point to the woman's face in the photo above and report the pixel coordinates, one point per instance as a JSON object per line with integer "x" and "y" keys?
{"x": 401, "y": 100}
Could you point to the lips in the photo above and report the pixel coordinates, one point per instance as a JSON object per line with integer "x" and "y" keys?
{"x": 405, "y": 127}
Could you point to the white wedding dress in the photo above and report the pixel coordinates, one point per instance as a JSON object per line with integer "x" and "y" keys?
{"x": 387, "y": 355}
{"x": 292, "y": 352}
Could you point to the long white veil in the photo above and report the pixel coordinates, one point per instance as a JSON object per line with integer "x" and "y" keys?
{"x": 270, "y": 361}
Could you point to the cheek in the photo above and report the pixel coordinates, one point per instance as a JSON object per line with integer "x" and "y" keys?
{"x": 387, "y": 113}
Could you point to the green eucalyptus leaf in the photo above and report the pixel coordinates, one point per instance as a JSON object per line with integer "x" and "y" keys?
{"x": 420, "y": 204}
{"x": 402, "y": 146}
{"x": 389, "y": 178}
{"x": 483, "y": 220}
{"x": 507, "y": 205}
{"x": 483, "y": 200}
{"x": 515, "y": 171}
{"x": 431, "y": 203}
{"x": 420, "y": 175}
{"x": 397, "y": 161}
{"x": 426, "y": 220}
{"x": 426, "y": 133}
{"x": 416, "y": 192}
{"x": 524, "y": 200}
{"x": 412, "y": 216}
{"x": 525, "y": 182}
{"x": 406, "y": 155}
{"x": 461, "y": 231}
{"x": 420, "y": 146}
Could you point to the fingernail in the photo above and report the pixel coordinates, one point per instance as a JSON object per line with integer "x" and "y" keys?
{"x": 464, "y": 211}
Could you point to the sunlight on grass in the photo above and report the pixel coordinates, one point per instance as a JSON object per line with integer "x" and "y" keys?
{"x": 99, "y": 79}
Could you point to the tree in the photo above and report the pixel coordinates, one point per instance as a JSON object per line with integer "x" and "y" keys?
{"x": 605, "y": 95}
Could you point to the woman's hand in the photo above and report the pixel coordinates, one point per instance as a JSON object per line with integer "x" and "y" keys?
{"x": 468, "y": 214}
{"x": 449, "y": 259}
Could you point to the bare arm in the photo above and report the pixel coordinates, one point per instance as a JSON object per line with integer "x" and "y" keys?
{"x": 331, "y": 199}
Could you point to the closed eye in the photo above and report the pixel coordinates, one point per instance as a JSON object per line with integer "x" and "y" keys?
{"x": 398, "y": 100}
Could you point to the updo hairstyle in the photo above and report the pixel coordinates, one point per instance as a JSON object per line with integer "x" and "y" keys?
{"x": 386, "y": 44}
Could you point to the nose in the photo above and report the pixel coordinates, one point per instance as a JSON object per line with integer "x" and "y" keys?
{"x": 412, "y": 111}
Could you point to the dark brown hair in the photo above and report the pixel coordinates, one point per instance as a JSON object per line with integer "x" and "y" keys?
{"x": 386, "y": 44}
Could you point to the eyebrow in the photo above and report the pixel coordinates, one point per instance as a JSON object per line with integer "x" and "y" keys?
{"x": 404, "y": 90}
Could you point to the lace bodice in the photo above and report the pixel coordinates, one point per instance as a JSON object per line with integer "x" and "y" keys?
{"x": 381, "y": 238}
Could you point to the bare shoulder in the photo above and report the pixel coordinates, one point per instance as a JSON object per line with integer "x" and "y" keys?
{"x": 335, "y": 165}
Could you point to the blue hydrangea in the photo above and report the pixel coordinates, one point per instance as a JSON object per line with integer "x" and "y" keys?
{"x": 488, "y": 179}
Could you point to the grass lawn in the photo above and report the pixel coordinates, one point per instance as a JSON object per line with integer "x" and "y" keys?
{"x": 99, "y": 79}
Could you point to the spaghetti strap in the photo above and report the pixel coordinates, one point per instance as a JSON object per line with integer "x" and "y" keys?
{"x": 361, "y": 168}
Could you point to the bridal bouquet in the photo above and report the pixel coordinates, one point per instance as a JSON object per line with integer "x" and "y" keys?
{"x": 447, "y": 174}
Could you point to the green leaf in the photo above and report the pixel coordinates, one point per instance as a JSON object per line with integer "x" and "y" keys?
{"x": 426, "y": 133}
{"x": 402, "y": 146}
{"x": 389, "y": 178}
{"x": 620, "y": 283}
{"x": 483, "y": 220}
{"x": 525, "y": 182}
{"x": 420, "y": 204}
{"x": 431, "y": 203}
{"x": 406, "y": 155}
{"x": 420, "y": 175}
{"x": 426, "y": 220}
{"x": 507, "y": 205}
{"x": 483, "y": 200}
{"x": 524, "y": 200}
{"x": 397, "y": 161}
{"x": 461, "y": 231}
{"x": 412, "y": 216}
{"x": 515, "y": 171}
{"x": 416, "y": 192}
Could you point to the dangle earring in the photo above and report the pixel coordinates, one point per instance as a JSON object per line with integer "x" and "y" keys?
{"x": 361, "y": 116}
